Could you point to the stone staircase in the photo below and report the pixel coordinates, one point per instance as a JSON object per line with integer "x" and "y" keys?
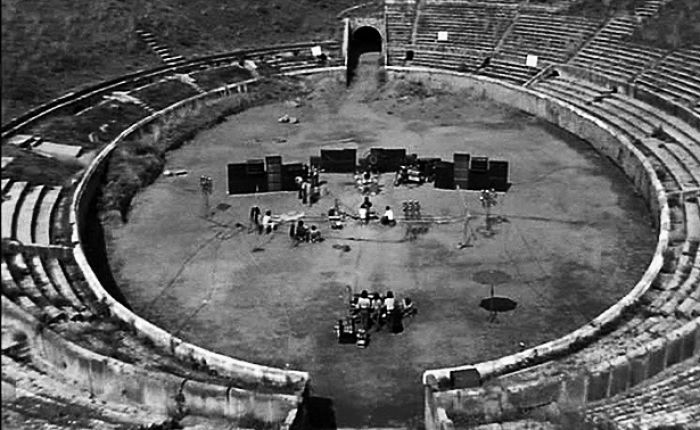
{"x": 163, "y": 51}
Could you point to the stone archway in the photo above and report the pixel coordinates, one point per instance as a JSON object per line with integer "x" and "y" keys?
{"x": 361, "y": 40}
{"x": 365, "y": 39}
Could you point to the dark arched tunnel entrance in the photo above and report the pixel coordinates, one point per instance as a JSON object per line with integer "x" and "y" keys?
{"x": 362, "y": 40}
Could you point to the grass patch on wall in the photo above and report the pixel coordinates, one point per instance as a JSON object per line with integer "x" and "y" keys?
{"x": 139, "y": 160}
{"x": 165, "y": 93}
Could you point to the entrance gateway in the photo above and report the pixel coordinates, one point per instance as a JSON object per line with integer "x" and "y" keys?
{"x": 362, "y": 35}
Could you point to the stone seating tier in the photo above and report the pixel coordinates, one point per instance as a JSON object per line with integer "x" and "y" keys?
{"x": 646, "y": 114}
{"x": 551, "y": 37}
{"x": 16, "y": 284}
{"x": 10, "y": 207}
{"x": 667, "y": 399}
{"x": 43, "y": 221}
{"x": 681, "y": 157}
{"x": 399, "y": 22}
{"x": 25, "y": 215}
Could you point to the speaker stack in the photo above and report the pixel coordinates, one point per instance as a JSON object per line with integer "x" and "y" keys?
{"x": 498, "y": 175}
{"x": 289, "y": 172}
{"x": 387, "y": 159}
{"x": 273, "y": 168}
{"x": 315, "y": 162}
{"x": 461, "y": 163}
{"x": 238, "y": 182}
{"x": 338, "y": 160}
{"x": 445, "y": 175}
{"x": 428, "y": 166}
{"x": 479, "y": 174}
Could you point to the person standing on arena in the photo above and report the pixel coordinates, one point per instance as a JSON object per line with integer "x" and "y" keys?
{"x": 364, "y": 304}
{"x": 365, "y": 208}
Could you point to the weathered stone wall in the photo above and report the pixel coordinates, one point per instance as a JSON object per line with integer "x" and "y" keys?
{"x": 498, "y": 399}
{"x": 115, "y": 381}
{"x": 85, "y": 192}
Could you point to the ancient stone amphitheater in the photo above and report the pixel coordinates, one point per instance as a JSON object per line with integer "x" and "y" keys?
{"x": 634, "y": 366}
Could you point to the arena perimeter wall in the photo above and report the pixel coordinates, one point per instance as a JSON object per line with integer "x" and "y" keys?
{"x": 116, "y": 381}
{"x": 111, "y": 379}
{"x": 500, "y": 399}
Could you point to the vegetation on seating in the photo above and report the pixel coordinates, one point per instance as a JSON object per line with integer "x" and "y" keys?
{"x": 76, "y": 129}
{"x": 599, "y": 8}
{"x": 137, "y": 162}
{"x": 50, "y": 48}
{"x": 214, "y": 78}
{"x": 678, "y": 24}
{"x": 34, "y": 168}
{"x": 165, "y": 93}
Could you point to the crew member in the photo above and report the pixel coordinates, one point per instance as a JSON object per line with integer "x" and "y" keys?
{"x": 267, "y": 223}
{"x": 334, "y": 218}
{"x": 364, "y": 304}
{"x": 388, "y": 218}
{"x": 377, "y": 305}
{"x": 301, "y": 232}
{"x": 314, "y": 234}
{"x": 255, "y": 213}
{"x": 364, "y": 210}
{"x": 305, "y": 190}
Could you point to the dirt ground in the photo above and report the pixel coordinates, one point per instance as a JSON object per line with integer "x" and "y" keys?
{"x": 574, "y": 238}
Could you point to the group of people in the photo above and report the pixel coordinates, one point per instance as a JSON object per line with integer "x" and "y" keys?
{"x": 367, "y": 182}
{"x": 409, "y": 173}
{"x": 377, "y": 311}
{"x": 308, "y": 183}
{"x": 303, "y": 233}
{"x": 365, "y": 213}
{"x": 262, "y": 223}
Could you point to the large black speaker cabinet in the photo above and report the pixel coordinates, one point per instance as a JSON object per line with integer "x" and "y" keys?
{"x": 289, "y": 172}
{"x": 498, "y": 175}
{"x": 428, "y": 166}
{"x": 273, "y": 168}
{"x": 444, "y": 175}
{"x": 255, "y": 166}
{"x": 461, "y": 162}
{"x": 258, "y": 182}
{"x": 479, "y": 164}
{"x": 387, "y": 159}
{"x": 338, "y": 160}
{"x": 315, "y": 161}
{"x": 479, "y": 180}
{"x": 238, "y": 182}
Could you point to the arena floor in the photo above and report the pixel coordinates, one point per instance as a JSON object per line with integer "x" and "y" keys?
{"x": 574, "y": 239}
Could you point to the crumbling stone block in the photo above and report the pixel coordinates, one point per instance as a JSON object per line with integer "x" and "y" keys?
{"x": 598, "y": 385}
{"x": 619, "y": 378}
{"x": 657, "y": 359}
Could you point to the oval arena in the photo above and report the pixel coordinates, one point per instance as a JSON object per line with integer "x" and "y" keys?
{"x": 131, "y": 297}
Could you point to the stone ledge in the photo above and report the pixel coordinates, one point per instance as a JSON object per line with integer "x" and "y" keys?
{"x": 223, "y": 364}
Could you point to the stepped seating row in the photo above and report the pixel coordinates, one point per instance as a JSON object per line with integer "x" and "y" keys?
{"x": 636, "y": 119}
{"x": 606, "y": 53}
{"x": 673, "y": 300}
{"x": 300, "y": 62}
{"x": 468, "y": 26}
{"x": 517, "y": 73}
{"x": 27, "y": 212}
{"x": 216, "y": 77}
{"x": 54, "y": 291}
{"x": 470, "y": 62}
{"x": 41, "y": 287}
{"x": 399, "y": 22}
{"x": 670, "y": 398}
{"x": 164, "y": 93}
{"x": 676, "y": 77}
{"x": 553, "y": 38}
